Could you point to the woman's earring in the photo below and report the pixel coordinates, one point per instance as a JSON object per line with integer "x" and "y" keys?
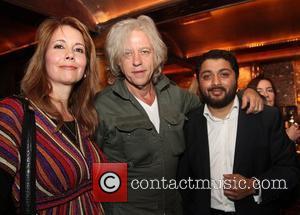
{"x": 84, "y": 76}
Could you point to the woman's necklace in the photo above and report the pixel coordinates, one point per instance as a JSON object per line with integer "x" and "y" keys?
{"x": 69, "y": 129}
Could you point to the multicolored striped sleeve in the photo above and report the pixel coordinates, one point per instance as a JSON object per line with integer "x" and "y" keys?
{"x": 11, "y": 116}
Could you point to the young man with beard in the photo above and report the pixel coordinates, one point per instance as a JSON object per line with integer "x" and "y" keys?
{"x": 231, "y": 156}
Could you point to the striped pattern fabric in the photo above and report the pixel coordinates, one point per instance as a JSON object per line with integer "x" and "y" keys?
{"x": 63, "y": 180}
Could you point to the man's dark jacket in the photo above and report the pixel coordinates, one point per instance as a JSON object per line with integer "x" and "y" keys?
{"x": 262, "y": 150}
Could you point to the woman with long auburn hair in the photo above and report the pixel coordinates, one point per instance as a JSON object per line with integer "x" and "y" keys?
{"x": 60, "y": 83}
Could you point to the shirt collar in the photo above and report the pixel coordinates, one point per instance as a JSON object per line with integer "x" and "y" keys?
{"x": 231, "y": 115}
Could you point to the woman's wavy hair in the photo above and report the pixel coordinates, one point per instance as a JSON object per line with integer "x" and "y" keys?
{"x": 120, "y": 32}
{"x": 36, "y": 86}
{"x": 255, "y": 81}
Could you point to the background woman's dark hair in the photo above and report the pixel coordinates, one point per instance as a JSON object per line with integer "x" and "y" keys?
{"x": 255, "y": 81}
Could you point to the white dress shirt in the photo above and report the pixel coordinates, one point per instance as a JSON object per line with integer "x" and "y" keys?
{"x": 222, "y": 139}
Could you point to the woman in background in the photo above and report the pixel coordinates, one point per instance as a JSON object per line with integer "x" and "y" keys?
{"x": 265, "y": 87}
{"x": 60, "y": 84}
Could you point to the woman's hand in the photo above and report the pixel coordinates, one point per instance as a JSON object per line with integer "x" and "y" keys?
{"x": 293, "y": 132}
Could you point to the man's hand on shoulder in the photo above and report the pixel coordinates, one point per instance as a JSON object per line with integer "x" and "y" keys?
{"x": 252, "y": 100}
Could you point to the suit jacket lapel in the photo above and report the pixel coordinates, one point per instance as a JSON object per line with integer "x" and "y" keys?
{"x": 241, "y": 139}
{"x": 202, "y": 139}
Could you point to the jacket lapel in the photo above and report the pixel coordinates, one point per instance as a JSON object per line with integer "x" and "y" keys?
{"x": 241, "y": 141}
{"x": 202, "y": 149}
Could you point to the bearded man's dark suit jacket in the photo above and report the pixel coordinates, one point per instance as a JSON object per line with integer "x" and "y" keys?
{"x": 262, "y": 150}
